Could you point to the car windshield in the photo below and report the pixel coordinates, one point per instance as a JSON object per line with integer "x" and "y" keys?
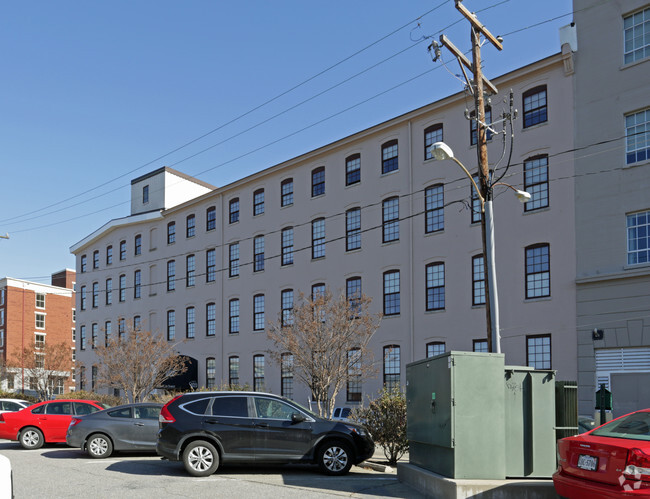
{"x": 634, "y": 426}
{"x": 304, "y": 409}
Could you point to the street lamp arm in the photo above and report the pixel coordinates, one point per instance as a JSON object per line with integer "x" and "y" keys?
{"x": 522, "y": 196}
{"x": 469, "y": 175}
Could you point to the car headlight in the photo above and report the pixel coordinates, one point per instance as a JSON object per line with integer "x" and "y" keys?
{"x": 357, "y": 430}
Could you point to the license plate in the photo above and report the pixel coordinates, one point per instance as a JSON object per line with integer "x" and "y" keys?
{"x": 589, "y": 463}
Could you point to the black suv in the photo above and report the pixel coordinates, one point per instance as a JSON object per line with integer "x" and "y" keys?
{"x": 205, "y": 429}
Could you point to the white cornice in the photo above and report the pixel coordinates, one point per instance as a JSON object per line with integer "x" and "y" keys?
{"x": 35, "y": 287}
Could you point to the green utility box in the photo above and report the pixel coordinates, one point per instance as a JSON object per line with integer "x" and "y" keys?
{"x": 470, "y": 416}
{"x": 455, "y": 415}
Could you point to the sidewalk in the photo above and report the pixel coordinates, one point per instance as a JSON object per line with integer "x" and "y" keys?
{"x": 378, "y": 462}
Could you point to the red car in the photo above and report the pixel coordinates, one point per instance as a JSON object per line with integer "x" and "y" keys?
{"x": 611, "y": 461}
{"x": 44, "y": 422}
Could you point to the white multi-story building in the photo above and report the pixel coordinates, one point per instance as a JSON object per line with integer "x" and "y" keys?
{"x": 371, "y": 212}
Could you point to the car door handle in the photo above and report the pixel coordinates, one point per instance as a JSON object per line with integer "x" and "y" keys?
{"x": 139, "y": 424}
{"x": 261, "y": 425}
{"x": 212, "y": 421}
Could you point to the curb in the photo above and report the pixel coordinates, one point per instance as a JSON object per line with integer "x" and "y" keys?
{"x": 376, "y": 467}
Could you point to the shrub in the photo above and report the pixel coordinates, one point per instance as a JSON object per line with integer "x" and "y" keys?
{"x": 385, "y": 419}
{"x": 102, "y": 398}
{"x": 18, "y": 395}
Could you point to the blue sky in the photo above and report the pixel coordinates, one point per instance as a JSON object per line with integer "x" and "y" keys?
{"x": 98, "y": 93}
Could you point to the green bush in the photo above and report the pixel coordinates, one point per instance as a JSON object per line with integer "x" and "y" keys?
{"x": 385, "y": 419}
{"x": 102, "y": 398}
{"x": 18, "y": 395}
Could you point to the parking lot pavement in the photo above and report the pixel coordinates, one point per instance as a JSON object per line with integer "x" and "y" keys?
{"x": 57, "y": 471}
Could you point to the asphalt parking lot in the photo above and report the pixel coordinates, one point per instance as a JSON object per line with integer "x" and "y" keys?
{"x": 59, "y": 471}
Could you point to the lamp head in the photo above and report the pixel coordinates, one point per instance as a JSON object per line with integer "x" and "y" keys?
{"x": 440, "y": 151}
{"x": 523, "y": 196}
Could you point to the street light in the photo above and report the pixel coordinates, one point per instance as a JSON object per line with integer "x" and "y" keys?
{"x": 441, "y": 151}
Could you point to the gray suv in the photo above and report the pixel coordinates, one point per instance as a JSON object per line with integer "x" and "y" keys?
{"x": 206, "y": 429}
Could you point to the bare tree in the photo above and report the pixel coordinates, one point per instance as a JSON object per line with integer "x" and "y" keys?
{"x": 137, "y": 363}
{"x": 327, "y": 338}
{"x": 46, "y": 367}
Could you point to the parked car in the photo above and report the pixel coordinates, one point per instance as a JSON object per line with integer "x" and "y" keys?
{"x": 610, "y": 461}
{"x": 13, "y": 405}
{"x": 44, "y": 421}
{"x": 341, "y": 413}
{"x": 130, "y": 427}
{"x": 206, "y": 429}
{"x": 585, "y": 423}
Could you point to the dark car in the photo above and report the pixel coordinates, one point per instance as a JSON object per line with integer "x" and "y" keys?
{"x": 130, "y": 427}
{"x": 207, "y": 429}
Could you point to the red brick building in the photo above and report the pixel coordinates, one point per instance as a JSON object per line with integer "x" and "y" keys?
{"x": 35, "y": 315}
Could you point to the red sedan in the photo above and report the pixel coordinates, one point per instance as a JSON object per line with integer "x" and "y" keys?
{"x": 610, "y": 461}
{"x": 44, "y": 422}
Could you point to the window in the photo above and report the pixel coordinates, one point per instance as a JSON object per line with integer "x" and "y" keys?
{"x": 122, "y": 290}
{"x": 95, "y": 259}
{"x": 210, "y": 266}
{"x": 258, "y": 254}
{"x": 109, "y": 291}
{"x": 137, "y": 323}
{"x": 122, "y": 250}
{"x": 353, "y": 229}
{"x": 107, "y": 332}
{"x": 171, "y": 275}
{"x": 171, "y": 325}
{"x": 390, "y": 219}
{"x": 94, "y": 329}
{"x": 210, "y": 372}
{"x": 317, "y": 291}
{"x": 109, "y": 255}
{"x": 233, "y": 211}
{"x": 39, "y": 340}
{"x": 138, "y": 245}
{"x": 258, "y": 202}
{"x": 286, "y": 192}
{"x": 83, "y": 263}
{"x": 391, "y": 292}
{"x": 535, "y": 111}
{"x": 233, "y": 316}
{"x": 478, "y": 280}
{"x": 434, "y": 208}
{"x": 258, "y": 313}
{"x": 40, "y": 321}
{"x": 435, "y": 286}
{"x": 82, "y": 297}
{"x": 210, "y": 319}
{"x": 318, "y": 181}
{"x": 95, "y": 295}
{"x": 40, "y": 300}
{"x": 190, "y": 317}
{"x": 636, "y": 36}
{"x": 145, "y": 194}
{"x": 233, "y": 371}
{"x": 477, "y": 209}
{"x": 538, "y": 271}
{"x": 538, "y": 351}
{"x": 389, "y": 161}
{"x": 190, "y": 271}
{"x": 258, "y": 373}
{"x": 121, "y": 328}
{"x": 287, "y": 307}
{"x": 637, "y": 136}
{"x": 171, "y": 232}
{"x": 435, "y": 348}
{"x": 318, "y": 238}
{"x": 353, "y": 169}
{"x": 391, "y": 367}
{"x": 93, "y": 378}
{"x": 353, "y": 292}
{"x": 190, "y": 226}
{"x": 480, "y": 346}
{"x": 536, "y": 182}
{"x": 211, "y": 218}
{"x": 137, "y": 284}
{"x": 286, "y": 375}
{"x": 82, "y": 378}
{"x": 432, "y": 135}
{"x": 82, "y": 337}
{"x": 287, "y": 246}
{"x": 353, "y": 391}
{"x": 638, "y": 238}
{"x": 473, "y": 134}
{"x": 233, "y": 260}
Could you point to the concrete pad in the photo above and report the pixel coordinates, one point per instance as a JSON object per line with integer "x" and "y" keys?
{"x": 437, "y": 486}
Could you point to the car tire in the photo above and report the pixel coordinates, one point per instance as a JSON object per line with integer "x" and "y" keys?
{"x": 99, "y": 446}
{"x": 200, "y": 458}
{"x": 31, "y": 438}
{"x": 335, "y": 458}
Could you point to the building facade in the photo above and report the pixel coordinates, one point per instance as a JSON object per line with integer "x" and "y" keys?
{"x": 33, "y": 315}
{"x": 372, "y": 212}
{"x": 612, "y": 162}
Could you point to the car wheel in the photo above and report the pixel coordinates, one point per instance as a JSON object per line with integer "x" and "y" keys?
{"x": 335, "y": 458}
{"x": 99, "y": 446}
{"x": 31, "y": 438}
{"x": 200, "y": 458}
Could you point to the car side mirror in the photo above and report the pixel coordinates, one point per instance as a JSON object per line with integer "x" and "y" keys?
{"x": 296, "y": 417}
